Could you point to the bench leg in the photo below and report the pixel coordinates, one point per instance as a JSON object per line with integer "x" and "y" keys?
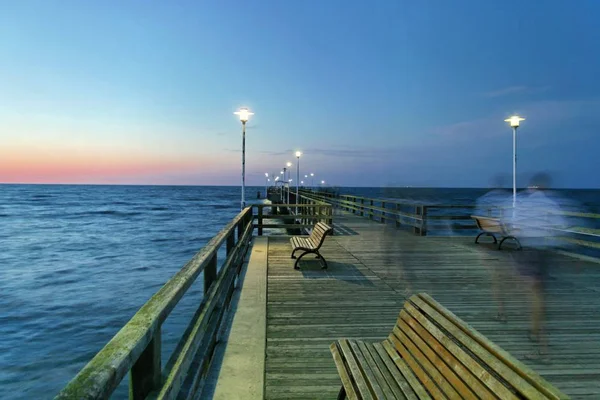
{"x": 293, "y": 256}
{"x": 510, "y": 237}
{"x": 342, "y": 394}
{"x": 299, "y": 258}
{"x": 319, "y": 256}
{"x": 323, "y": 261}
{"x": 486, "y": 234}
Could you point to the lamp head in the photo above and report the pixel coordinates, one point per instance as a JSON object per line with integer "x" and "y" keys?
{"x": 267, "y": 174}
{"x": 244, "y": 114}
{"x": 322, "y": 182}
{"x": 288, "y": 164}
{"x": 514, "y": 121}
{"x": 311, "y": 174}
{"x": 298, "y": 154}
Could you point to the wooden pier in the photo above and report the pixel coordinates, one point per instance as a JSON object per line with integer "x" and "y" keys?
{"x": 263, "y": 329}
{"x": 374, "y": 267}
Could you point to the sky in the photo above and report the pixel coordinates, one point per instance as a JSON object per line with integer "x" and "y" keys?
{"x": 380, "y": 93}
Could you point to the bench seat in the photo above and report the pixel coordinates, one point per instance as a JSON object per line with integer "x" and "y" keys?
{"x": 432, "y": 354}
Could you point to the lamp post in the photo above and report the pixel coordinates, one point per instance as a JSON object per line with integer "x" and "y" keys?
{"x": 514, "y": 123}
{"x": 280, "y": 192}
{"x": 244, "y": 115}
{"x": 288, "y": 194}
{"x": 312, "y": 180}
{"x": 266, "y": 184}
{"x": 288, "y": 165}
{"x": 298, "y": 154}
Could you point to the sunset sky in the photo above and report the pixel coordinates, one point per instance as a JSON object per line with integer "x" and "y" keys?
{"x": 374, "y": 93}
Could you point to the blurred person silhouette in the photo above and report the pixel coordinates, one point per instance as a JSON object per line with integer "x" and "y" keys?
{"x": 492, "y": 204}
{"x": 538, "y": 218}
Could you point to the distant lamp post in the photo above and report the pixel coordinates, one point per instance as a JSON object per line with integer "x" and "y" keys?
{"x": 287, "y": 165}
{"x": 267, "y": 184}
{"x": 514, "y": 122}
{"x": 312, "y": 180}
{"x": 322, "y": 182}
{"x": 244, "y": 115}
{"x": 298, "y": 154}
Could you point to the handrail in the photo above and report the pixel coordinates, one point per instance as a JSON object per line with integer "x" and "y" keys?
{"x": 427, "y": 215}
{"x": 136, "y": 347}
{"x": 302, "y": 215}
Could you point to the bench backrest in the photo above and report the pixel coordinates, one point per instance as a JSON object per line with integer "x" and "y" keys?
{"x": 452, "y": 359}
{"x": 487, "y": 224}
{"x": 317, "y": 236}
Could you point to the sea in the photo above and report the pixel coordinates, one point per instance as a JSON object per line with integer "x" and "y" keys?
{"x": 77, "y": 262}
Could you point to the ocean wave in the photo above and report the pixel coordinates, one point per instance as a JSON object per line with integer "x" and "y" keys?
{"x": 110, "y": 212}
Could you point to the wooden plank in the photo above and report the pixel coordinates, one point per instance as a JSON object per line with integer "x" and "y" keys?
{"x": 427, "y": 366}
{"x": 469, "y": 362}
{"x": 407, "y": 372}
{"x": 355, "y": 370}
{"x": 470, "y": 379}
{"x": 457, "y": 388}
{"x": 401, "y": 382}
{"x": 376, "y": 378}
{"x": 344, "y": 372}
{"x": 416, "y": 368}
{"x": 395, "y": 391}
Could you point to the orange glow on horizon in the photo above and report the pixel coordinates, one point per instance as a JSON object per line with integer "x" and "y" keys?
{"x": 35, "y": 167}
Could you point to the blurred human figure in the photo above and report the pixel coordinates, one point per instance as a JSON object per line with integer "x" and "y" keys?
{"x": 495, "y": 201}
{"x": 492, "y": 204}
{"x": 538, "y": 219}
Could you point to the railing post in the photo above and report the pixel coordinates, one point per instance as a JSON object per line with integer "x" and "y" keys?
{"x": 371, "y": 210}
{"x": 230, "y": 245}
{"x": 210, "y": 273}
{"x": 397, "y": 215}
{"x": 240, "y": 229}
{"x": 260, "y": 220}
{"x": 145, "y": 375}
{"x": 383, "y": 211}
{"x": 362, "y": 207}
{"x": 424, "y": 222}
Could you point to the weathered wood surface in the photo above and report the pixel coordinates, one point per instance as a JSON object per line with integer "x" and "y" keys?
{"x": 373, "y": 267}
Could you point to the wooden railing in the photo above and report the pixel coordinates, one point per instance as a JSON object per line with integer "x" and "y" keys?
{"x": 136, "y": 348}
{"x": 442, "y": 218}
{"x": 302, "y": 215}
{"x": 402, "y": 214}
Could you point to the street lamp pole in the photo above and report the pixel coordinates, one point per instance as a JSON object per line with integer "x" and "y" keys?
{"x": 312, "y": 181}
{"x": 298, "y": 154}
{"x": 266, "y": 184}
{"x": 244, "y": 115}
{"x": 514, "y": 122}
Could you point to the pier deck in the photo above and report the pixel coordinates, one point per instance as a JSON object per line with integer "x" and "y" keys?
{"x": 373, "y": 267}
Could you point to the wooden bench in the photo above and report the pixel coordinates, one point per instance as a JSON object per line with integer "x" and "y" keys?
{"x": 493, "y": 227}
{"x": 311, "y": 244}
{"x": 432, "y": 354}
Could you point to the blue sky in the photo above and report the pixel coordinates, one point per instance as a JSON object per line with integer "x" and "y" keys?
{"x": 374, "y": 93}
